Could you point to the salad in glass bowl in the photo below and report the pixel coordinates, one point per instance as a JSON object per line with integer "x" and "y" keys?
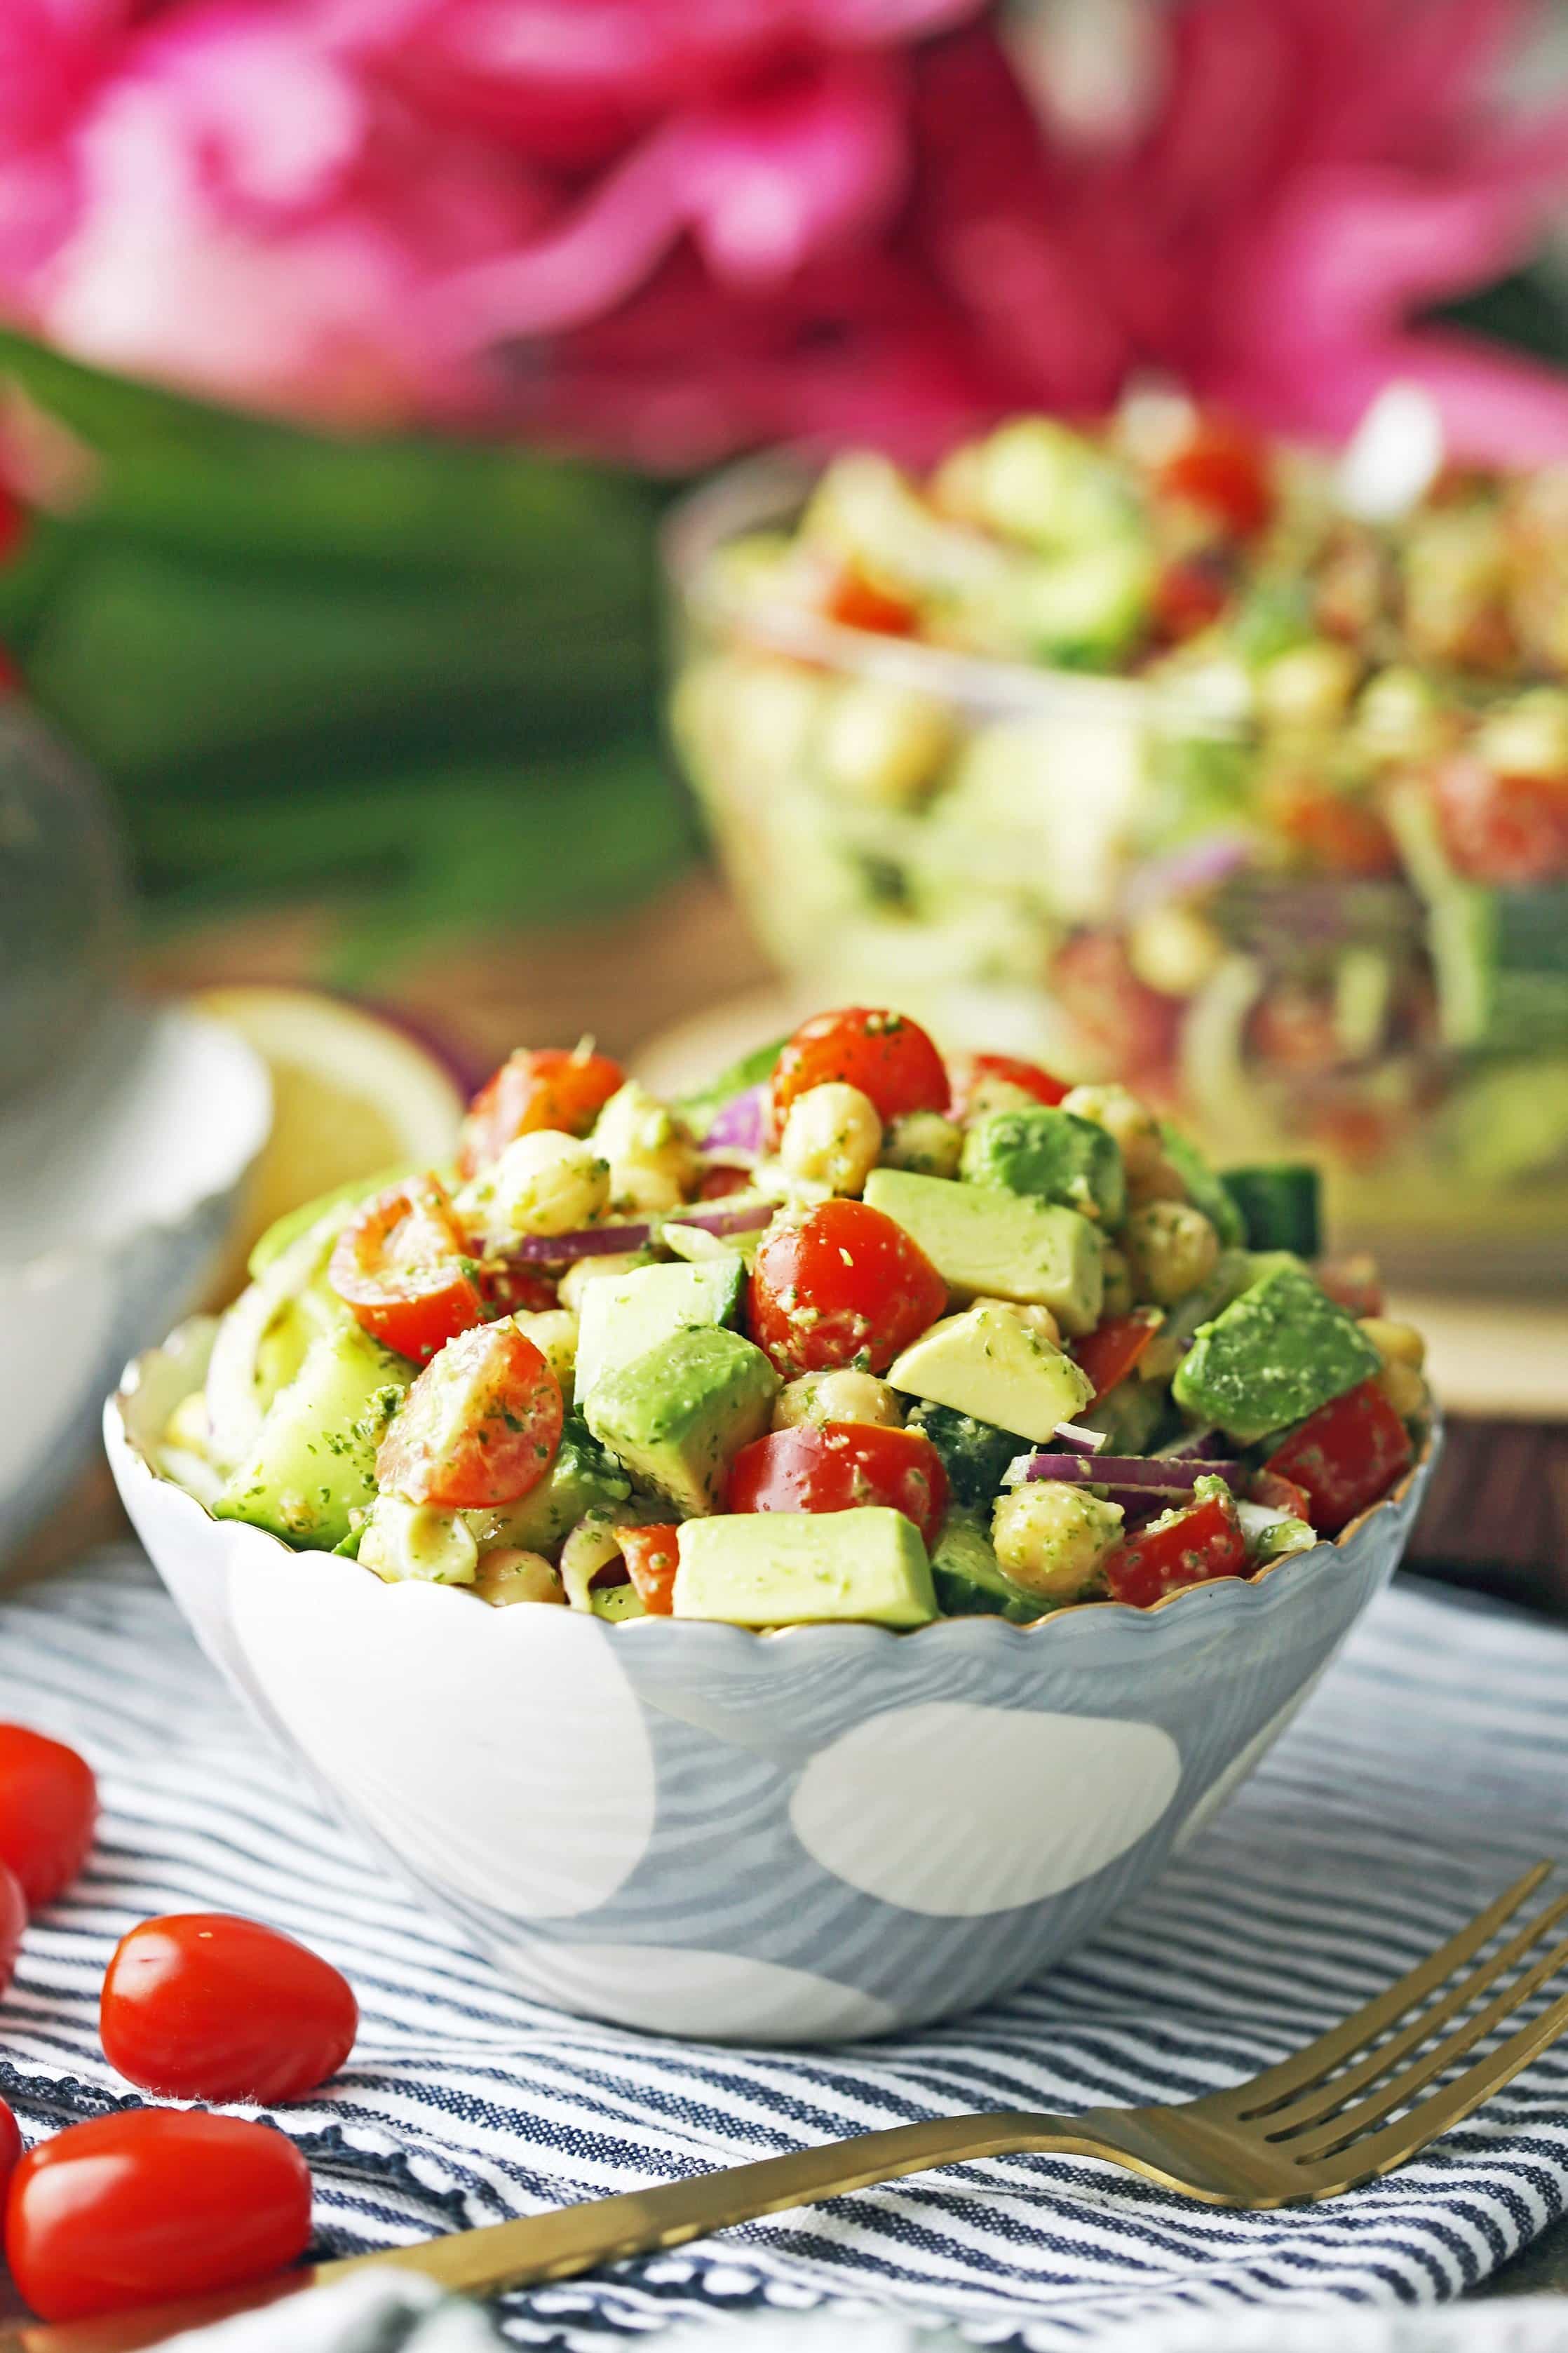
{"x": 856, "y": 1333}
{"x": 1133, "y": 750}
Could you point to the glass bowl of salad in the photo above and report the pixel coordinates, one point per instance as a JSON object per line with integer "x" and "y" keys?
{"x": 678, "y": 1531}
{"x": 1135, "y": 751}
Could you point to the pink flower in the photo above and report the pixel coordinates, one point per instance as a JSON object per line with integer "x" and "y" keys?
{"x": 665, "y": 229}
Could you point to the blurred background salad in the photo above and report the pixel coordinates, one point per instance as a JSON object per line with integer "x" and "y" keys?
{"x": 359, "y": 359}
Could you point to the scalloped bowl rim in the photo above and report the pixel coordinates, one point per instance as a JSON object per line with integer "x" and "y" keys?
{"x": 1234, "y": 1594}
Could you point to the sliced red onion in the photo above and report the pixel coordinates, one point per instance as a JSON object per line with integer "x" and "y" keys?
{"x": 1145, "y": 1474}
{"x": 1196, "y": 867}
{"x": 1076, "y": 1440}
{"x": 739, "y": 1125}
{"x": 604, "y": 1241}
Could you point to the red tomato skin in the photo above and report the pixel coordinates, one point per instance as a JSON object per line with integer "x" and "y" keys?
{"x": 652, "y": 1556}
{"x": 968, "y": 1070}
{"x": 842, "y": 1284}
{"x": 1504, "y": 830}
{"x": 838, "y": 1466}
{"x": 1345, "y": 1456}
{"x": 1111, "y": 1350}
{"x": 887, "y": 1056}
{"x": 854, "y": 604}
{"x": 480, "y": 1426}
{"x": 13, "y": 1921}
{"x": 152, "y": 2205}
{"x": 10, "y": 2148}
{"x": 1221, "y": 468}
{"x": 1352, "y": 1282}
{"x": 1203, "y": 1543}
{"x": 204, "y": 2006}
{"x": 716, "y": 1183}
{"x": 48, "y": 1811}
{"x": 549, "y": 1087}
{"x": 401, "y": 1266}
{"x": 1277, "y": 1493}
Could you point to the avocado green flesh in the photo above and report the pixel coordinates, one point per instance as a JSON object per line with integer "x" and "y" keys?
{"x": 583, "y": 1478}
{"x": 969, "y": 1580}
{"x": 624, "y": 1316}
{"x": 1273, "y": 1357}
{"x": 990, "y": 1365}
{"x": 313, "y": 1461}
{"x": 781, "y": 1568}
{"x": 986, "y": 1241}
{"x": 679, "y": 1414}
{"x": 1053, "y": 1154}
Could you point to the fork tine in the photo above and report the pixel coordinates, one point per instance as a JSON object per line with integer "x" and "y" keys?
{"x": 1336, "y": 2130}
{"x": 1335, "y": 2092}
{"x": 1379, "y": 2152}
{"x": 1308, "y": 2066}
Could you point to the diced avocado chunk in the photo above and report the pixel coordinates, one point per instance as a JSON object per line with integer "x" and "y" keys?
{"x": 677, "y": 1417}
{"x": 986, "y": 1241}
{"x": 990, "y": 1363}
{"x": 313, "y": 1461}
{"x": 622, "y": 1317}
{"x": 784, "y": 1568}
{"x": 1275, "y": 1354}
{"x": 969, "y": 1580}
{"x": 584, "y": 1477}
{"x": 1278, "y": 1206}
{"x": 1052, "y": 1154}
{"x": 975, "y": 1454}
{"x": 1207, "y": 1190}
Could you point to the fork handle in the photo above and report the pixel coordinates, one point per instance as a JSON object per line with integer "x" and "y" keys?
{"x": 571, "y": 2239}
{"x": 574, "y": 2239}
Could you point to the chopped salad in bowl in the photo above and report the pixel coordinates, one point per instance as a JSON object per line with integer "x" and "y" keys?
{"x": 857, "y": 1333}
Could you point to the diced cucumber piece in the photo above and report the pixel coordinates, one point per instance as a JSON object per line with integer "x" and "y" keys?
{"x": 313, "y": 1461}
{"x": 1280, "y": 1208}
{"x": 970, "y": 1581}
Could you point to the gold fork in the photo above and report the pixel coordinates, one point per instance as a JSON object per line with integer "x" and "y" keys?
{"x": 1319, "y": 2122}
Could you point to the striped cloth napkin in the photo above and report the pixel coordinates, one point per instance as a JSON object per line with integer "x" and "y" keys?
{"x": 1429, "y": 1769}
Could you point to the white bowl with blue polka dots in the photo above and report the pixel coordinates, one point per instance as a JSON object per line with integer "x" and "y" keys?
{"x": 807, "y": 1836}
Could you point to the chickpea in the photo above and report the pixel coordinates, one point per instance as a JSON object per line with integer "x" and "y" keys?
{"x": 1118, "y": 1274}
{"x": 991, "y": 1093}
{"x": 837, "y": 1397}
{"x": 1038, "y": 1320}
{"x": 882, "y": 743}
{"x": 1159, "y": 1183}
{"x": 1053, "y": 1539}
{"x": 554, "y": 1332}
{"x": 1398, "y": 718}
{"x": 1405, "y": 1390}
{"x": 1396, "y": 1344}
{"x": 1119, "y": 1113}
{"x": 508, "y": 1575}
{"x": 637, "y": 1132}
{"x": 544, "y": 1183}
{"x": 832, "y": 1135}
{"x": 584, "y": 1271}
{"x": 418, "y": 1540}
{"x": 1173, "y": 950}
{"x": 924, "y": 1142}
{"x": 1308, "y": 686}
{"x": 1172, "y": 1249}
{"x": 638, "y": 1191}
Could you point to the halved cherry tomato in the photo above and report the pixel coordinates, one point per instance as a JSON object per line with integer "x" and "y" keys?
{"x": 1111, "y": 1350}
{"x": 1277, "y": 1493}
{"x": 480, "y": 1426}
{"x": 966, "y": 1073}
{"x": 1125, "y": 1026}
{"x": 843, "y": 1284}
{"x": 856, "y": 605}
{"x": 511, "y": 1287}
{"x": 1199, "y": 1544}
{"x": 1331, "y": 831}
{"x": 203, "y": 2005}
{"x": 13, "y": 1920}
{"x": 1221, "y": 468}
{"x": 652, "y": 1558}
{"x": 1353, "y": 1282}
{"x": 836, "y": 1466}
{"x": 10, "y": 2148}
{"x": 532, "y": 1088}
{"x": 401, "y": 1265}
{"x": 48, "y": 1810}
{"x": 1346, "y": 1455}
{"x": 1509, "y": 830}
{"x": 152, "y": 2205}
{"x": 888, "y": 1057}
